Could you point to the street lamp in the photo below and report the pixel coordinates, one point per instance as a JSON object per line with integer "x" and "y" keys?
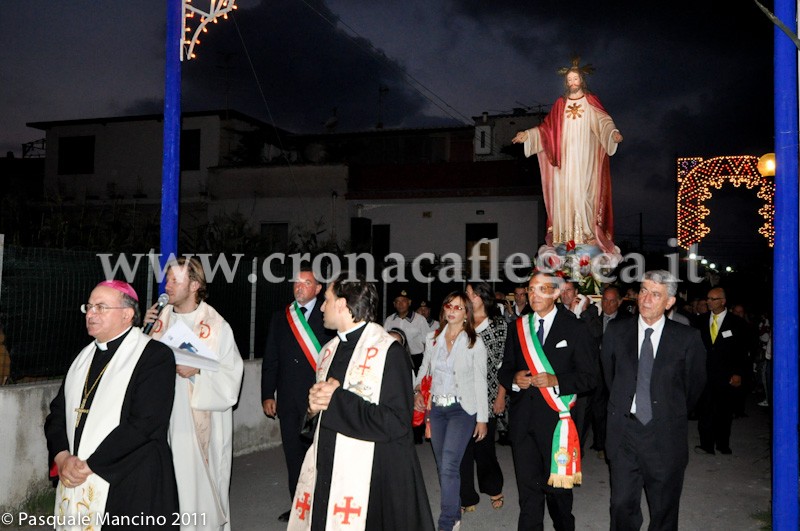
{"x": 766, "y": 165}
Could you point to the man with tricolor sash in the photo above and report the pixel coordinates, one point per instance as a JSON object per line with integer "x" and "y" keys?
{"x": 549, "y": 358}
{"x": 362, "y": 471}
{"x": 295, "y": 335}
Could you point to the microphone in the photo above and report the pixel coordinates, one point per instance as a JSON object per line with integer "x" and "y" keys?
{"x": 163, "y": 300}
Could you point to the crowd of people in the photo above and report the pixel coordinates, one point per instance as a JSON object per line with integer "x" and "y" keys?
{"x": 132, "y": 432}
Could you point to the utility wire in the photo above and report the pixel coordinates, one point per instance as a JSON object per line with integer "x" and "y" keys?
{"x": 302, "y": 197}
{"x": 380, "y": 58}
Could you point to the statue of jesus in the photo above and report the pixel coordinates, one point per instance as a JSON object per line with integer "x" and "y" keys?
{"x": 573, "y": 144}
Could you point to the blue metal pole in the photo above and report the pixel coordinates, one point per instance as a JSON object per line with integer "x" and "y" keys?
{"x": 785, "y": 354}
{"x": 170, "y": 169}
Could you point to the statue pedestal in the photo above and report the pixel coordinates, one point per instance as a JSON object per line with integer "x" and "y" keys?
{"x": 582, "y": 263}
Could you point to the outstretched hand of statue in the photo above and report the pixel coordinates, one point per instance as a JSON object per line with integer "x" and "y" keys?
{"x": 616, "y": 136}
{"x": 522, "y": 136}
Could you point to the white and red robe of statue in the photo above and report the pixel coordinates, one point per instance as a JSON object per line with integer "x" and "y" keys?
{"x": 573, "y": 144}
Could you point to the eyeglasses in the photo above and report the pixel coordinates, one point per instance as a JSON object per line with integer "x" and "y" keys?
{"x": 99, "y": 308}
{"x": 714, "y": 298}
{"x": 455, "y": 307}
{"x": 544, "y": 289}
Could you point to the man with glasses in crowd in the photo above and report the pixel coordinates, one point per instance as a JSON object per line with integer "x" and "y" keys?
{"x": 107, "y": 427}
{"x": 726, "y": 339}
{"x": 549, "y": 358}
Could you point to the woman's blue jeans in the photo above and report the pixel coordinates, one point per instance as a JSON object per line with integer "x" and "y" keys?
{"x": 451, "y": 428}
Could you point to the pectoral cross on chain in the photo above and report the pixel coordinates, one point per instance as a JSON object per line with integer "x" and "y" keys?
{"x": 81, "y": 411}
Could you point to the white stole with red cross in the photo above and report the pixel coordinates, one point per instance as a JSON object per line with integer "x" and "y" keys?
{"x": 352, "y": 464}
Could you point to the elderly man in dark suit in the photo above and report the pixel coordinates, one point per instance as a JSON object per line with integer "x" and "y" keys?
{"x": 727, "y": 340}
{"x": 295, "y": 336}
{"x": 655, "y": 372}
{"x": 538, "y": 381}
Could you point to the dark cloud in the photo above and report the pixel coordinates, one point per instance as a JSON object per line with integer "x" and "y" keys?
{"x": 304, "y": 65}
{"x": 682, "y": 78}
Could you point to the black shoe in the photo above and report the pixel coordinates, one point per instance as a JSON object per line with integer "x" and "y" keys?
{"x": 284, "y": 517}
{"x": 503, "y": 439}
{"x": 703, "y": 450}
{"x": 725, "y": 451}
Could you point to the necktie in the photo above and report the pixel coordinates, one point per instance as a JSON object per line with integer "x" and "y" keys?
{"x": 714, "y": 328}
{"x": 303, "y": 309}
{"x": 606, "y": 319}
{"x": 644, "y": 409}
{"x": 540, "y": 332}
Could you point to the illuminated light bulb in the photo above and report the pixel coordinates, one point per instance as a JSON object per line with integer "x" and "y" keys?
{"x": 712, "y": 265}
{"x": 692, "y": 256}
{"x": 205, "y": 29}
{"x": 704, "y": 261}
{"x": 766, "y": 165}
{"x": 729, "y": 269}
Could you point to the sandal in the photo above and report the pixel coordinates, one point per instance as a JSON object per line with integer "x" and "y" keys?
{"x": 497, "y": 501}
{"x": 468, "y": 509}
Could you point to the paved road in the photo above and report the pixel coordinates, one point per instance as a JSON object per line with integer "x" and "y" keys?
{"x": 721, "y": 492}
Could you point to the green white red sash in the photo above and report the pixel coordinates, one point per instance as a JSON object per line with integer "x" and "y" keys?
{"x": 303, "y": 333}
{"x": 565, "y": 463}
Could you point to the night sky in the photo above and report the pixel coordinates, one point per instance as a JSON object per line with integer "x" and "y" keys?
{"x": 681, "y": 78}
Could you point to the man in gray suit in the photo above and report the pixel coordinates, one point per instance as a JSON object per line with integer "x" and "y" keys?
{"x": 655, "y": 372}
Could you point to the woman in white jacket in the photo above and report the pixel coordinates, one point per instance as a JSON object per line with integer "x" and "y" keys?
{"x": 455, "y": 356}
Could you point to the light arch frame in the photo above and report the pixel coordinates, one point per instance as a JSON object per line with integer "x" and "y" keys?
{"x": 696, "y": 179}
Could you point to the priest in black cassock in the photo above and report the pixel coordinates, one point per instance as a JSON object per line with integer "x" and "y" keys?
{"x": 362, "y": 469}
{"x": 107, "y": 427}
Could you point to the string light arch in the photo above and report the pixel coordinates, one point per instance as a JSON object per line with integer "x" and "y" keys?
{"x": 696, "y": 179}
{"x": 196, "y": 19}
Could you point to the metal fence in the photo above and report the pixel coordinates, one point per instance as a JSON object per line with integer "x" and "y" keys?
{"x": 41, "y": 291}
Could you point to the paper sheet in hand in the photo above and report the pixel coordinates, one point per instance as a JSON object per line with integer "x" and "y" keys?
{"x": 189, "y": 349}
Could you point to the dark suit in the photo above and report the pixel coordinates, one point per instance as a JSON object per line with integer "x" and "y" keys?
{"x": 510, "y": 318}
{"x": 287, "y": 370}
{"x": 597, "y": 400}
{"x": 727, "y": 356}
{"x": 652, "y": 456}
{"x": 532, "y": 421}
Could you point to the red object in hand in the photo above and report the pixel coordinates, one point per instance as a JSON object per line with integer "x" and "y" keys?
{"x": 53, "y": 470}
{"x": 425, "y": 391}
